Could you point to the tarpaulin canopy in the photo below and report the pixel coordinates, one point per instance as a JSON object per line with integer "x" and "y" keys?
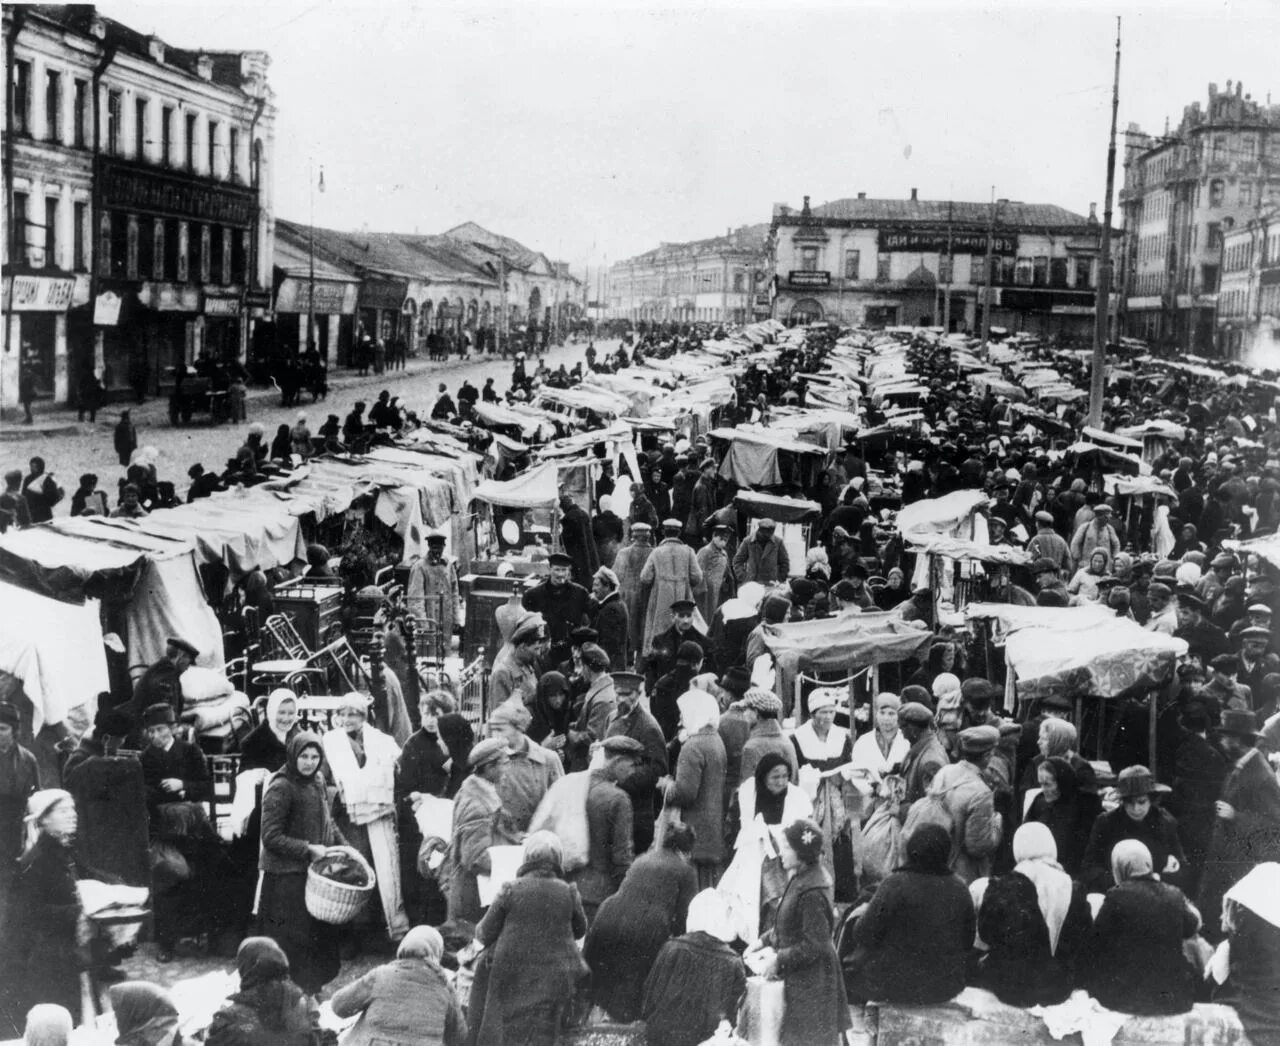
{"x": 537, "y": 488}
{"x": 752, "y": 457}
{"x": 496, "y": 414}
{"x": 1137, "y": 486}
{"x": 958, "y": 548}
{"x": 55, "y": 650}
{"x": 66, "y": 567}
{"x": 931, "y": 517}
{"x": 1097, "y": 456}
{"x": 1265, "y": 548}
{"x": 769, "y": 506}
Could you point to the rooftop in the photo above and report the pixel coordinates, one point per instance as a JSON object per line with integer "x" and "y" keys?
{"x": 860, "y": 208}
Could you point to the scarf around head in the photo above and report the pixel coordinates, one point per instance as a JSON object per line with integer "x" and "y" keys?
{"x": 145, "y": 1013}
{"x": 1036, "y": 857}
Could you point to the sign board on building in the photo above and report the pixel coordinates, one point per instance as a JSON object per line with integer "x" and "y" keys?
{"x": 762, "y": 301}
{"x": 221, "y": 306}
{"x": 170, "y": 297}
{"x": 80, "y": 296}
{"x": 930, "y": 241}
{"x": 332, "y": 297}
{"x": 106, "y": 309}
{"x": 383, "y": 294}
{"x": 39, "y": 293}
{"x": 802, "y": 278}
{"x": 129, "y": 187}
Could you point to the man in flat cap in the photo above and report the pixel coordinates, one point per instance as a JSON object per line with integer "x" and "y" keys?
{"x": 531, "y": 769}
{"x": 477, "y": 825}
{"x": 1256, "y": 663}
{"x": 763, "y": 558}
{"x": 564, "y": 604}
{"x": 1162, "y": 609}
{"x": 666, "y": 644}
{"x": 597, "y": 705}
{"x": 630, "y": 719}
{"x": 515, "y": 669}
{"x": 609, "y": 616}
{"x": 718, "y": 582}
{"x": 969, "y": 802}
{"x": 667, "y": 689}
{"x": 925, "y": 757}
{"x": 610, "y": 849}
{"x": 161, "y": 681}
{"x": 1211, "y": 585}
{"x": 670, "y": 574}
{"x": 1096, "y": 533}
{"x": 1205, "y": 640}
{"x": 1223, "y": 686}
{"x": 1048, "y": 543}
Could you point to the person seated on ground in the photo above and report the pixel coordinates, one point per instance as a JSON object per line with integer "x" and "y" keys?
{"x": 911, "y": 941}
{"x": 1246, "y": 969}
{"x": 269, "y": 1009}
{"x": 408, "y": 1000}
{"x": 1136, "y": 962}
{"x": 130, "y": 506}
{"x": 1067, "y": 811}
{"x": 632, "y": 926}
{"x": 1018, "y": 966}
{"x": 1137, "y": 817}
{"x": 697, "y": 980}
{"x": 145, "y": 1015}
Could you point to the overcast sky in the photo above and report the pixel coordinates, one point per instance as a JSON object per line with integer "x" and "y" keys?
{"x": 600, "y": 130}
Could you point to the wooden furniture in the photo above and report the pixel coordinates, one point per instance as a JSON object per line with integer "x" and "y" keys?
{"x": 314, "y": 605}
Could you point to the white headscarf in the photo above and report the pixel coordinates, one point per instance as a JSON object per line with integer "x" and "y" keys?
{"x": 1036, "y": 855}
{"x": 698, "y": 710}
{"x": 709, "y": 913}
{"x": 275, "y": 699}
{"x": 1259, "y": 891}
{"x": 38, "y": 806}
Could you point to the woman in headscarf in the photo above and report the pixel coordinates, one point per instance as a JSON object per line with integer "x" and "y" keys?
{"x": 1084, "y": 586}
{"x": 363, "y": 761}
{"x": 884, "y": 747}
{"x": 1062, "y": 900}
{"x": 42, "y": 944}
{"x": 513, "y": 1000}
{"x": 269, "y": 1009}
{"x": 552, "y": 713}
{"x": 408, "y": 1000}
{"x": 297, "y": 829}
{"x": 823, "y": 745}
{"x": 1057, "y": 739}
{"x": 1136, "y": 962}
{"x": 145, "y": 1015}
{"x": 282, "y": 445}
{"x": 47, "y": 1025}
{"x": 632, "y": 925}
{"x": 911, "y": 942}
{"x": 894, "y": 590}
{"x": 697, "y": 788}
{"x": 697, "y": 980}
{"x": 805, "y": 960}
{"x": 1246, "y": 968}
{"x": 300, "y": 437}
{"x": 1188, "y": 541}
{"x": 1017, "y": 965}
{"x": 266, "y": 745}
{"x": 765, "y": 804}
{"x": 1064, "y": 810}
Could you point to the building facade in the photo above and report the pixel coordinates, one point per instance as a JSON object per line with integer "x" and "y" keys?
{"x": 1248, "y": 311}
{"x": 138, "y": 199}
{"x": 716, "y": 280}
{"x": 913, "y": 262}
{"x": 1184, "y": 192}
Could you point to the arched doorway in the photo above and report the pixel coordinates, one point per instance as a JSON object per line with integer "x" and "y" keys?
{"x": 409, "y": 325}
{"x": 806, "y": 310}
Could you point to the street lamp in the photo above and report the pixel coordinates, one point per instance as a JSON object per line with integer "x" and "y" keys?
{"x": 311, "y": 280}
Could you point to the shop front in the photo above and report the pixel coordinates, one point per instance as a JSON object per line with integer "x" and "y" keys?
{"x": 222, "y": 326}
{"x": 381, "y": 307}
{"x": 35, "y": 304}
{"x": 332, "y": 300}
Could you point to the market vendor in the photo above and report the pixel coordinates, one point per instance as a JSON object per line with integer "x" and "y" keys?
{"x": 433, "y": 591}
{"x": 564, "y": 604}
{"x": 160, "y": 683}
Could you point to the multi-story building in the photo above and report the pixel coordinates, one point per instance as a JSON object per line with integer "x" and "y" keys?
{"x": 138, "y": 199}
{"x": 1183, "y": 192}
{"x": 1248, "y": 313}
{"x": 717, "y": 280}
{"x": 913, "y": 262}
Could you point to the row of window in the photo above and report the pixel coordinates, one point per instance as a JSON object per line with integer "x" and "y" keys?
{"x": 159, "y": 131}
{"x": 35, "y": 232}
{"x": 1233, "y": 303}
{"x": 1038, "y": 271}
{"x": 1245, "y": 148}
{"x": 1148, "y": 284}
{"x": 1269, "y": 300}
{"x": 144, "y": 248}
{"x": 1237, "y": 257}
{"x": 1156, "y": 206}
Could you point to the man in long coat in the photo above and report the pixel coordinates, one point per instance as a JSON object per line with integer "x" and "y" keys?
{"x": 579, "y": 544}
{"x": 671, "y": 573}
{"x": 628, "y": 565}
{"x": 718, "y": 583}
{"x": 433, "y": 589}
{"x": 629, "y": 719}
{"x": 564, "y": 604}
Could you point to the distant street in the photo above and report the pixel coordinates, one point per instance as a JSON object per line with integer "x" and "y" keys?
{"x": 71, "y": 449}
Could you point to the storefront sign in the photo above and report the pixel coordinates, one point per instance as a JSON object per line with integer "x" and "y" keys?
{"x": 170, "y": 297}
{"x": 128, "y": 187}
{"x": 928, "y": 241}
{"x": 1027, "y": 300}
{"x": 799, "y": 278}
{"x": 383, "y": 294}
{"x": 106, "y": 309}
{"x": 216, "y": 306}
{"x": 332, "y": 297}
{"x": 40, "y": 293}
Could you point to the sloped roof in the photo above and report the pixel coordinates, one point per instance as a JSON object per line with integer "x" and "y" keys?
{"x": 515, "y": 253}
{"x": 398, "y": 254}
{"x": 1047, "y": 214}
{"x": 745, "y": 238}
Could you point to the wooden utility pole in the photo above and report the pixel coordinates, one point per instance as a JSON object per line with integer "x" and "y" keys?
{"x": 986, "y": 290}
{"x": 951, "y": 261}
{"x": 1102, "y": 309}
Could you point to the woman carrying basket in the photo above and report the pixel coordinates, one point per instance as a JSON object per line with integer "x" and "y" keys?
{"x": 297, "y": 829}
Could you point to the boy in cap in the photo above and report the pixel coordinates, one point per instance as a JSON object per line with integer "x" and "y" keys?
{"x": 1048, "y": 543}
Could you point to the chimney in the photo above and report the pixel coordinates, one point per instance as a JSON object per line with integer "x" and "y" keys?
{"x": 862, "y": 196}
{"x": 1093, "y": 212}
{"x": 914, "y": 197}
{"x": 204, "y": 67}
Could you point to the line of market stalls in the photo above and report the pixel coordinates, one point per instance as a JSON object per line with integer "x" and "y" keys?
{"x": 146, "y": 579}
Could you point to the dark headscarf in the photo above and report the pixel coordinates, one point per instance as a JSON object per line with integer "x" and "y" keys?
{"x": 546, "y": 719}
{"x": 259, "y": 960}
{"x": 297, "y": 743}
{"x": 264, "y": 983}
{"x": 458, "y": 737}
{"x": 145, "y": 1013}
{"x": 1065, "y": 775}
{"x": 929, "y": 850}
{"x": 768, "y": 804}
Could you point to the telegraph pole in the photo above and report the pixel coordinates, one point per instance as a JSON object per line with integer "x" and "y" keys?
{"x": 951, "y": 261}
{"x": 1102, "y": 309}
{"x": 986, "y": 290}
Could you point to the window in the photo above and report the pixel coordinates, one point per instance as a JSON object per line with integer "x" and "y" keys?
{"x": 1040, "y": 272}
{"x": 81, "y": 112}
{"x": 1246, "y": 193}
{"x": 1219, "y": 148}
{"x": 1004, "y": 269}
{"x": 51, "y": 230}
{"x": 1213, "y": 235}
{"x": 1084, "y": 268}
{"x": 211, "y": 171}
{"x": 18, "y": 229}
{"x": 255, "y": 163}
{"x": 20, "y": 115}
{"x": 1022, "y": 274}
{"x": 808, "y": 259}
{"x": 166, "y": 135}
{"x": 1208, "y": 279}
{"x": 233, "y": 151}
{"x": 1248, "y": 148}
{"x": 140, "y": 129}
{"x": 146, "y": 248}
{"x": 1273, "y": 146}
{"x": 739, "y": 281}
{"x": 122, "y": 232}
{"x": 53, "y": 104}
{"x": 882, "y": 266}
{"x": 1215, "y": 193}
{"x": 113, "y": 122}
{"x": 131, "y": 248}
{"x": 104, "y": 245}
{"x": 1058, "y": 272}
{"x": 79, "y": 231}
{"x": 852, "y": 259}
{"x": 240, "y": 252}
{"x": 182, "y": 253}
{"x": 158, "y": 252}
{"x": 195, "y": 235}
{"x": 206, "y": 258}
{"x": 191, "y": 142}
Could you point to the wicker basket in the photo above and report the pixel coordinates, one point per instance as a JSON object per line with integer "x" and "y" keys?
{"x": 338, "y": 903}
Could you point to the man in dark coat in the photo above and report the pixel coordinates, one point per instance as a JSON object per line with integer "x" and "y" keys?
{"x": 19, "y": 778}
{"x": 124, "y": 438}
{"x": 925, "y": 757}
{"x": 672, "y": 685}
{"x": 630, "y": 719}
{"x": 1198, "y": 772}
{"x": 563, "y": 604}
{"x": 575, "y": 535}
{"x": 609, "y": 831}
{"x": 610, "y": 618}
{"x": 1205, "y": 639}
{"x": 160, "y": 682}
{"x": 702, "y": 502}
{"x": 666, "y": 644}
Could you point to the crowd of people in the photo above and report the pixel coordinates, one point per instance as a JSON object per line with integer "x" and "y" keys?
{"x": 691, "y": 831}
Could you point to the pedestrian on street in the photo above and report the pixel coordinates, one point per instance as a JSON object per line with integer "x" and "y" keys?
{"x": 89, "y": 396}
{"x": 125, "y": 438}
